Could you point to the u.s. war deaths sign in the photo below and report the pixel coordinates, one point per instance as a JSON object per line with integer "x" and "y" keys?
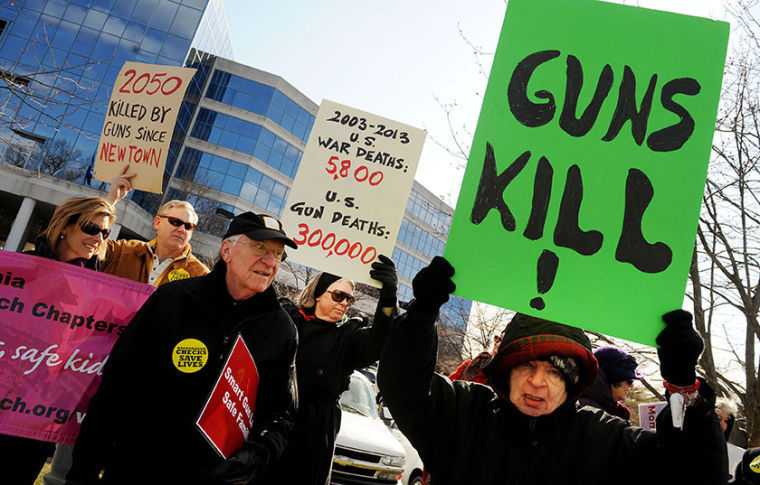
{"x": 582, "y": 191}
{"x": 139, "y": 123}
{"x": 348, "y": 198}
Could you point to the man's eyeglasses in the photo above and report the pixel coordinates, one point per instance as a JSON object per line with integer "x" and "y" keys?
{"x": 260, "y": 249}
{"x": 339, "y": 295}
{"x": 189, "y": 226}
{"x": 91, "y": 229}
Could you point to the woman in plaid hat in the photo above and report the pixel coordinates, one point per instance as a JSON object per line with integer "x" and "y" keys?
{"x": 527, "y": 429}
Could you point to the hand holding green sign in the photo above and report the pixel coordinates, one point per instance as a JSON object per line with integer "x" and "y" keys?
{"x": 586, "y": 173}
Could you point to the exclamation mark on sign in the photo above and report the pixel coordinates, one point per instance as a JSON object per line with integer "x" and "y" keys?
{"x": 546, "y": 271}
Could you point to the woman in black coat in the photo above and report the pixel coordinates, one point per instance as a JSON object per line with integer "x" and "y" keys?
{"x": 330, "y": 348}
{"x": 74, "y": 235}
{"x": 526, "y": 428}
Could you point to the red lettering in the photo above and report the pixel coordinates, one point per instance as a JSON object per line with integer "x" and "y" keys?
{"x": 104, "y": 151}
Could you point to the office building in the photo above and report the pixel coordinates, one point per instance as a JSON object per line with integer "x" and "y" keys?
{"x": 237, "y": 144}
{"x": 58, "y": 62}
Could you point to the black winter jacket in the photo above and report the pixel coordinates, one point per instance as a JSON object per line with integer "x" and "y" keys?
{"x": 465, "y": 433}
{"x": 327, "y": 355}
{"x": 143, "y": 416}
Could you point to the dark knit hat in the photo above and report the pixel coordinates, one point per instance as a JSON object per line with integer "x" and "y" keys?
{"x": 325, "y": 280}
{"x": 748, "y": 470}
{"x": 529, "y": 338}
{"x": 618, "y": 365}
{"x": 316, "y": 287}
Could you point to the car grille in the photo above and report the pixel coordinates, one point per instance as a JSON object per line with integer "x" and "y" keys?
{"x": 354, "y": 467}
{"x": 357, "y": 455}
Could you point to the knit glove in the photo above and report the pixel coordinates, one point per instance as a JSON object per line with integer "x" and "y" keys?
{"x": 679, "y": 348}
{"x": 384, "y": 271}
{"x": 243, "y": 465}
{"x": 432, "y": 286}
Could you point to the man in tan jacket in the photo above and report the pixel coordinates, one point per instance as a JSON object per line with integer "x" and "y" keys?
{"x": 168, "y": 257}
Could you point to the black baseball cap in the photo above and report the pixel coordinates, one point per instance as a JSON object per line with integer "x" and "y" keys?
{"x": 258, "y": 227}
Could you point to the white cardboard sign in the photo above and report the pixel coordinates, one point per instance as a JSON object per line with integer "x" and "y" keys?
{"x": 349, "y": 196}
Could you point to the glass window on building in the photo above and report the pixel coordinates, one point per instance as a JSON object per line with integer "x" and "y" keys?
{"x": 405, "y": 293}
{"x": 261, "y": 99}
{"x": 248, "y": 138}
{"x": 234, "y": 178}
{"x": 406, "y": 264}
{"x": 415, "y": 237}
{"x": 426, "y": 212}
{"x": 83, "y": 44}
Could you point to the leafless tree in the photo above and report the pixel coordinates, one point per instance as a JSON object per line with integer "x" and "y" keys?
{"x": 40, "y": 85}
{"x": 457, "y": 344}
{"x": 725, "y": 271}
{"x": 35, "y": 88}
{"x": 58, "y": 156}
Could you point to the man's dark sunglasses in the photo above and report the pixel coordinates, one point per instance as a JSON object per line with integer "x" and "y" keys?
{"x": 339, "y": 295}
{"x": 189, "y": 226}
{"x": 91, "y": 229}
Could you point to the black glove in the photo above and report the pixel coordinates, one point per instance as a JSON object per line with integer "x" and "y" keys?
{"x": 384, "y": 271}
{"x": 679, "y": 348}
{"x": 243, "y": 465}
{"x": 432, "y": 286}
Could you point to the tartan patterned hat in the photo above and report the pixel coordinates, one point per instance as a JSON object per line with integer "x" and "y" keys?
{"x": 529, "y": 338}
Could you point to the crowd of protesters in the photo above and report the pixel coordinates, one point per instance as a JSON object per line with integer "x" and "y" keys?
{"x": 541, "y": 407}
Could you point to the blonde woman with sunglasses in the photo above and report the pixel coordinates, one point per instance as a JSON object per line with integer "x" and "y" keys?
{"x": 330, "y": 347}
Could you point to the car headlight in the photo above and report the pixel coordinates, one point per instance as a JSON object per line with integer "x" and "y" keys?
{"x": 391, "y": 460}
{"x": 389, "y": 476}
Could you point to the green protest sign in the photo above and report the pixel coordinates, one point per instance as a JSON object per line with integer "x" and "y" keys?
{"x": 581, "y": 195}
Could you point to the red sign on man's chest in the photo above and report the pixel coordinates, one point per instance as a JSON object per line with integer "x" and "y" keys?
{"x": 227, "y": 416}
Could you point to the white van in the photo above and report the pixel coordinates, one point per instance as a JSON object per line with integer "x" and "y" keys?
{"x": 366, "y": 453}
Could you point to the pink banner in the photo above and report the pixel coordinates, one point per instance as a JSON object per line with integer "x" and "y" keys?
{"x": 58, "y": 323}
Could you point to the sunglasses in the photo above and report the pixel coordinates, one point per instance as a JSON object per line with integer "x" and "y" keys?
{"x": 189, "y": 226}
{"x": 91, "y": 229}
{"x": 339, "y": 295}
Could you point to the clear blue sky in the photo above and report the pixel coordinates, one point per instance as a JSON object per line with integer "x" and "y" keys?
{"x": 392, "y": 58}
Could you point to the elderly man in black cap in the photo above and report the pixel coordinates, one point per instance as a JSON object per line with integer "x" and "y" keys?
{"x": 525, "y": 428}
{"x": 142, "y": 424}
